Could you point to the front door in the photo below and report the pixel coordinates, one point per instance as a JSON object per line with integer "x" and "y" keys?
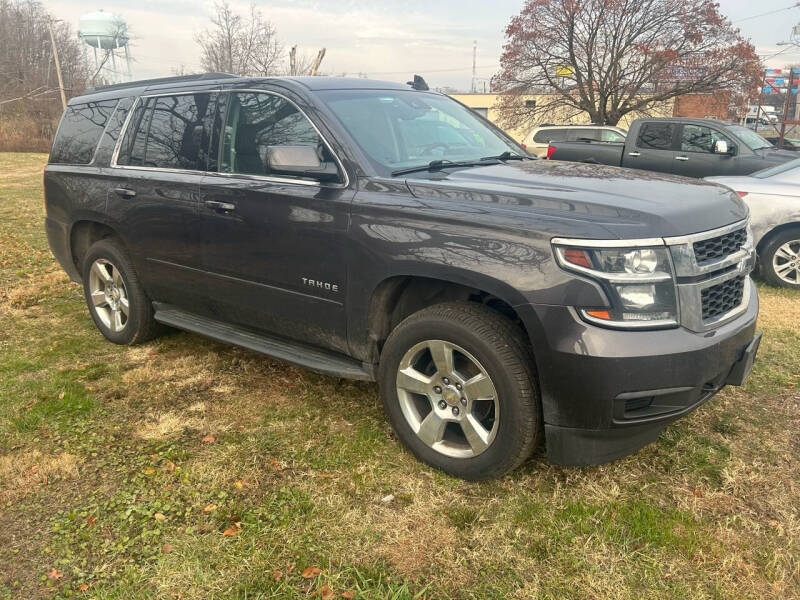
{"x": 275, "y": 244}
{"x": 155, "y": 192}
{"x": 696, "y": 157}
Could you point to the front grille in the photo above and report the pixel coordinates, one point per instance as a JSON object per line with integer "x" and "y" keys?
{"x": 719, "y": 247}
{"x": 723, "y": 297}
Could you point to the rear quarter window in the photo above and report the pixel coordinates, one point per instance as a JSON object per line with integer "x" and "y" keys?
{"x": 79, "y": 132}
{"x": 656, "y": 136}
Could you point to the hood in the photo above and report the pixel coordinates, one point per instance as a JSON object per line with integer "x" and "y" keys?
{"x": 586, "y": 200}
{"x": 776, "y": 155}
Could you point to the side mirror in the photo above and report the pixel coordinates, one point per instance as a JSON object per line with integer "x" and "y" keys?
{"x": 722, "y": 147}
{"x": 300, "y": 160}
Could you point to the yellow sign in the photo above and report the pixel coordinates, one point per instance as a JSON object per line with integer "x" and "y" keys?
{"x": 564, "y": 71}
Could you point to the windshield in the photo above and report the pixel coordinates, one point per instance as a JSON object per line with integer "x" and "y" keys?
{"x": 749, "y": 137}
{"x": 779, "y": 169}
{"x": 399, "y": 129}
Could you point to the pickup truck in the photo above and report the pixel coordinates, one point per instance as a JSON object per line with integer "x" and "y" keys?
{"x": 688, "y": 147}
{"x": 372, "y": 231}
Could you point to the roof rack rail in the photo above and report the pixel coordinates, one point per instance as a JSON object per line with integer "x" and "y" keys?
{"x": 158, "y": 80}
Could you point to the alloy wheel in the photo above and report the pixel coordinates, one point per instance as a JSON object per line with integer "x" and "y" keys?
{"x": 109, "y": 295}
{"x": 448, "y": 399}
{"x": 786, "y": 262}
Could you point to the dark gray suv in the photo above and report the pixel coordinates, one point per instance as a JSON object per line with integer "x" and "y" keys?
{"x": 383, "y": 232}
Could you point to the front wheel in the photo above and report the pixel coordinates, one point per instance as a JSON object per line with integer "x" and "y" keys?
{"x": 780, "y": 259}
{"x": 458, "y": 387}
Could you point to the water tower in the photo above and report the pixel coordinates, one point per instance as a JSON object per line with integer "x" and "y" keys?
{"x": 105, "y": 46}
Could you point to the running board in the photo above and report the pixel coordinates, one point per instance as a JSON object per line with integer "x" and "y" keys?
{"x": 321, "y": 361}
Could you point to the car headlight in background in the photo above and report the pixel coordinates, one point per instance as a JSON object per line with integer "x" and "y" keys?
{"x": 639, "y": 283}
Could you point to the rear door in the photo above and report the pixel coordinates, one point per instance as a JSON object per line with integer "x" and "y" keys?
{"x": 695, "y": 156}
{"x": 654, "y": 147}
{"x": 154, "y": 194}
{"x": 275, "y": 245}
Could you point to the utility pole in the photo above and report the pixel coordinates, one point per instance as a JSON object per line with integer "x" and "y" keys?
{"x": 317, "y": 62}
{"x": 474, "y": 57}
{"x": 58, "y": 66}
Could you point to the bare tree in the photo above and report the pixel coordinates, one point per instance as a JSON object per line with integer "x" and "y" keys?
{"x": 608, "y": 58}
{"x": 241, "y": 45}
{"x": 26, "y": 56}
{"x": 29, "y": 92}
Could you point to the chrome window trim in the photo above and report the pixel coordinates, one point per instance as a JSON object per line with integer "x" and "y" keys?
{"x": 265, "y": 178}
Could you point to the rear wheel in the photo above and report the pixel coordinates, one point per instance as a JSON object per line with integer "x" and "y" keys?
{"x": 119, "y": 307}
{"x": 780, "y": 259}
{"x": 458, "y": 388}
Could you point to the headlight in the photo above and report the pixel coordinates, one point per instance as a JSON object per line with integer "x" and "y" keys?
{"x": 639, "y": 283}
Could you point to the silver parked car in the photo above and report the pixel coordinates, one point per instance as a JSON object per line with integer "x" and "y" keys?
{"x": 773, "y": 196}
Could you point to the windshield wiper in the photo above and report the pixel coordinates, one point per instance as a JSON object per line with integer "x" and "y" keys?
{"x": 507, "y": 156}
{"x": 436, "y": 165}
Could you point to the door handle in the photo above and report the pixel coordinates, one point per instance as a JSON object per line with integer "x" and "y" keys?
{"x": 681, "y": 158}
{"x": 124, "y": 192}
{"x": 634, "y": 153}
{"x": 223, "y": 207}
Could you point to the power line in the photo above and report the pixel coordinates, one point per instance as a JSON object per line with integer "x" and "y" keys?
{"x": 771, "y": 12}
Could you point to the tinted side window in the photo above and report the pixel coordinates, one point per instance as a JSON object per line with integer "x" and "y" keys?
{"x": 550, "y": 135}
{"x": 657, "y": 136}
{"x": 168, "y": 132}
{"x": 697, "y": 138}
{"x": 256, "y": 121}
{"x": 584, "y": 134}
{"x": 79, "y": 132}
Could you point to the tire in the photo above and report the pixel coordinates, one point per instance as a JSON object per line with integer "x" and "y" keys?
{"x": 114, "y": 283}
{"x": 418, "y": 397}
{"x": 780, "y": 259}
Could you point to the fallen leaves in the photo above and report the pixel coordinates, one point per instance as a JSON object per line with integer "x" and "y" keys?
{"x": 324, "y": 592}
{"x": 167, "y": 548}
{"x": 55, "y": 574}
{"x": 276, "y": 575}
{"x": 159, "y": 517}
{"x": 310, "y": 572}
{"x": 210, "y": 508}
{"x": 348, "y": 594}
{"x": 209, "y": 439}
{"x": 231, "y": 531}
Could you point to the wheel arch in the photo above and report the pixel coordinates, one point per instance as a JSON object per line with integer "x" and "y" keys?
{"x": 767, "y": 237}
{"x": 85, "y": 232}
{"x": 398, "y": 296}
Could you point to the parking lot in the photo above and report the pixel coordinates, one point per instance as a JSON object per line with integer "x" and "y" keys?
{"x": 185, "y": 468}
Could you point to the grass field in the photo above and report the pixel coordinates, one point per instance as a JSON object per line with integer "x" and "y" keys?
{"x": 191, "y": 470}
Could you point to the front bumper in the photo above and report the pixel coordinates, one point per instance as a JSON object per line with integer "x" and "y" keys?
{"x": 607, "y": 393}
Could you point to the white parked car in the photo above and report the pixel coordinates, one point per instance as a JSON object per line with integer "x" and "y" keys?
{"x": 539, "y": 138}
{"x": 774, "y": 199}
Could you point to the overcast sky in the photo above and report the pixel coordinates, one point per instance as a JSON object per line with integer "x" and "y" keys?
{"x": 385, "y": 40}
